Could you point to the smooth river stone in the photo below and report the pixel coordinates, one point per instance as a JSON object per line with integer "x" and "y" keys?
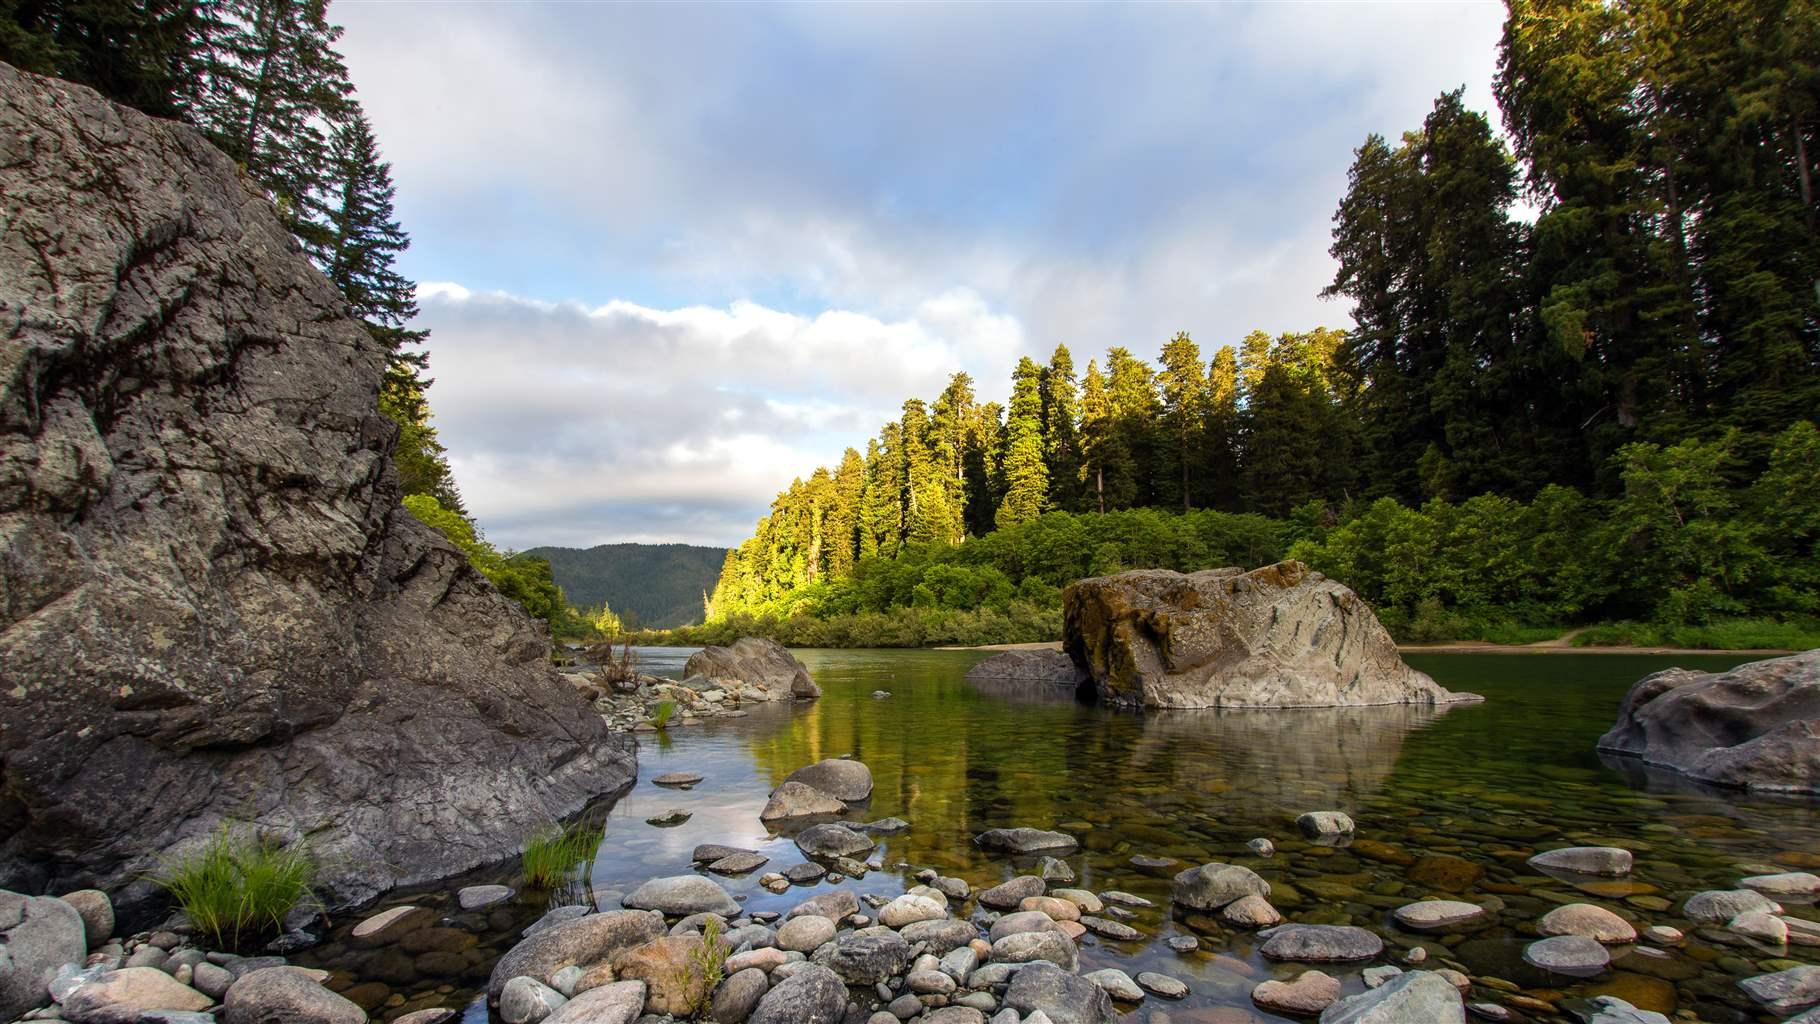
{"x": 1437, "y": 915}
{"x": 1308, "y": 994}
{"x": 1250, "y": 912}
{"x": 1117, "y": 984}
{"x": 1790, "y": 885}
{"x": 1009, "y": 894}
{"x": 681, "y": 895}
{"x": 1593, "y": 922}
{"x": 677, "y": 779}
{"x": 1212, "y": 886}
{"x": 1574, "y": 955}
{"x": 1025, "y": 840}
{"x": 1585, "y": 860}
{"x": 1716, "y": 906}
{"x": 1319, "y": 943}
{"x": 1612, "y": 1010}
{"x": 1325, "y": 823}
{"x": 1785, "y": 992}
{"x": 1405, "y": 999}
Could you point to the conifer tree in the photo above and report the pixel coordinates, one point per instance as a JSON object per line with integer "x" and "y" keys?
{"x": 882, "y": 514}
{"x": 1105, "y": 459}
{"x": 1220, "y": 461}
{"x": 1026, "y": 476}
{"x": 1132, "y": 397}
{"x": 1184, "y": 417}
{"x": 147, "y": 54}
{"x": 843, "y": 527}
{"x": 1061, "y": 431}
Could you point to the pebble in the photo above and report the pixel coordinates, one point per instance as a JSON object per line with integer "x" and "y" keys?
{"x": 681, "y": 779}
{"x": 1117, "y": 984}
{"x": 1162, "y": 985}
{"x": 1589, "y": 920}
{"x": 474, "y": 897}
{"x": 1574, "y": 955}
{"x": 1438, "y": 915}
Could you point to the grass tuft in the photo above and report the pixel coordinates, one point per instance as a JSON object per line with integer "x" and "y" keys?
{"x": 238, "y": 888}
{"x": 553, "y": 852}
{"x": 660, "y": 717}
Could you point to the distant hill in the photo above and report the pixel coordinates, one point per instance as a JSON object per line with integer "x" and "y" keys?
{"x": 659, "y": 584}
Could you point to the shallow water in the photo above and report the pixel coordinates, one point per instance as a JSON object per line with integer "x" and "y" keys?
{"x": 1488, "y": 783}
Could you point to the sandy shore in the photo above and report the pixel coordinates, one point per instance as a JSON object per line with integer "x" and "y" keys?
{"x": 1471, "y": 647}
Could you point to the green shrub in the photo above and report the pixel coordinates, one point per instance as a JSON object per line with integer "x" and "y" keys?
{"x": 553, "y": 852}
{"x": 238, "y": 888}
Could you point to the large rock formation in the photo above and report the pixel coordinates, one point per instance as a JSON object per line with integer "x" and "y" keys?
{"x": 1757, "y": 726}
{"x": 1280, "y": 636}
{"x": 211, "y": 604}
{"x": 764, "y": 668}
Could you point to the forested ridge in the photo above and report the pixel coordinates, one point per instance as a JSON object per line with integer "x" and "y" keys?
{"x": 1601, "y": 413}
{"x": 644, "y": 585}
{"x": 262, "y": 79}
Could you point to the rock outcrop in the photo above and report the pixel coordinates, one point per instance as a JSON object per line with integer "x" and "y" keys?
{"x": 212, "y": 606}
{"x": 1756, "y": 726}
{"x": 1053, "y": 668}
{"x": 764, "y": 668}
{"x": 1276, "y": 637}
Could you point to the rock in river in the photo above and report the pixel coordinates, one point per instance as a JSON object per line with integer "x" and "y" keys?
{"x": 1574, "y": 955}
{"x": 1785, "y": 991}
{"x": 1319, "y": 943}
{"x": 1025, "y": 840}
{"x": 1608, "y": 861}
{"x": 764, "y": 667}
{"x": 796, "y": 800}
{"x": 680, "y": 895}
{"x": 1051, "y": 667}
{"x": 1590, "y": 920}
{"x": 813, "y": 995}
{"x": 840, "y": 777}
{"x": 285, "y": 994}
{"x": 1308, "y": 994}
{"x": 211, "y": 587}
{"x": 1756, "y": 726}
{"x": 1405, "y": 999}
{"x": 831, "y": 840}
{"x": 1280, "y": 636}
{"x": 1063, "y": 997}
{"x": 1212, "y": 886}
{"x": 585, "y": 941}
{"x": 1438, "y": 915}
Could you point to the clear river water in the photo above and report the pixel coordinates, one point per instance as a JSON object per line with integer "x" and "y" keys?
{"x": 1447, "y": 803}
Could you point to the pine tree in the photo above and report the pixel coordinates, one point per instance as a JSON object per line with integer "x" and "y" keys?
{"x": 1061, "y": 431}
{"x": 843, "y": 526}
{"x": 882, "y": 513}
{"x": 1106, "y": 470}
{"x": 1136, "y": 409}
{"x": 1220, "y": 456}
{"x": 147, "y": 54}
{"x": 1026, "y": 476}
{"x": 273, "y": 86}
{"x": 1184, "y": 418}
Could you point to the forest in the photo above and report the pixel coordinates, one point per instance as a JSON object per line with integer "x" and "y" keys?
{"x": 262, "y": 79}
{"x": 1579, "y": 389}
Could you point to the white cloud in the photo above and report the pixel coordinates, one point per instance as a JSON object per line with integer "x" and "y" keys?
{"x": 575, "y": 425}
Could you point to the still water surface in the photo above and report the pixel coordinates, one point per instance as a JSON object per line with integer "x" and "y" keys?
{"x": 1488, "y": 784}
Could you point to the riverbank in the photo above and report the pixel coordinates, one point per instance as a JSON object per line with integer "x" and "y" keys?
{"x": 1461, "y": 647}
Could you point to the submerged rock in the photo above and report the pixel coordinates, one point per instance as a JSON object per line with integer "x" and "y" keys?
{"x": 840, "y": 777}
{"x": 1025, "y": 840}
{"x": 1045, "y": 666}
{"x": 1756, "y": 726}
{"x": 1319, "y": 943}
{"x": 1608, "y": 861}
{"x": 799, "y": 800}
{"x": 211, "y": 587}
{"x": 765, "y": 669}
{"x": 1279, "y": 636}
{"x": 1405, "y": 999}
{"x": 1212, "y": 886}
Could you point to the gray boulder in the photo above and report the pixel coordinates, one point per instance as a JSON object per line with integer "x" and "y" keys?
{"x": 840, "y": 777}
{"x": 797, "y": 800}
{"x": 38, "y": 934}
{"x": 1212, "y": 886}
{"x": 215, "y": 604}
{"x": 866, "y": 957}
{"x": 581, "y": 942}
{"x": 764, "y": 668}
{"x": 1786, "y": 991}
{"x": 1319, "y": 943}
{"x": 1065, "y": 998}
{"x": 813, "y": 995}
{"x": 528, "y": 1001}
{"x": 831, "y": 840}
{"x": 1279, "y": 636}
{"x": 97, "y": 914}
{"x": 1025, "y": 841}
{"x": 618, "y": 1003}
{"x": 286, "y": 995}
{"x": 1051, "y": 667}
{"x": 737, "y": 996}
{"x": 681, "y": 895}
{"x": 1413, "y": 996}
{"x": 1756, "y": 726}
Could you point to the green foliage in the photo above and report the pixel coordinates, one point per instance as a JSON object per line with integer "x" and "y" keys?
{"x": 147, "y": 54}
{"x": 236, "y": 889}
{"x": 707, "y": 965}
{"x": 1798, "y": 634}
{"x": 645, "y": 585}
{"x": 552, "y": 853}
{"x": 661, "y": 715}
{"x": 523, "y": 578}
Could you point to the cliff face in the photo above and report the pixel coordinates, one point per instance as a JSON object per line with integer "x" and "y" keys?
{"x": 211, "y": 604}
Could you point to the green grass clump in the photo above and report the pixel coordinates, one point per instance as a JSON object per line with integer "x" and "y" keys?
{"x": 665, "y": 711}
{"x": 238, "y": 888}
{"x": 553, "y": 852}
{"x": 1723, "y": 635}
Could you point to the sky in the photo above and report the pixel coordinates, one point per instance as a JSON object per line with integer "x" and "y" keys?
{"x": 673, "y": 256}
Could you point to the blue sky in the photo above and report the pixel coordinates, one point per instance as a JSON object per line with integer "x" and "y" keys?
{"x": 674, "y": 255}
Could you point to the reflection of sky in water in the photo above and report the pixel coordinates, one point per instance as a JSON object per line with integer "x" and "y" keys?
{"x": 1475, "y": 781}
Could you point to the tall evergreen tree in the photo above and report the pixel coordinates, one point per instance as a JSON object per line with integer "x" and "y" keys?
{"x": 1061, "y": 431}
{"x": 843, "y": 528}
{"x": 1184, "y": 419}
{"x": 1220, "y": 454}
{"x": 147, "y": 54}
{"x": 1026, "y": 476}
{"x": 273, "y": 87}
{"x": 1106, "y": 470}
{"x": 882, "y": 512}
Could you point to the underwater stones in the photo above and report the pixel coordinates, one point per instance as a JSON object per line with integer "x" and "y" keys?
{"x": 1279, "y": 636}
{"x": 1162, "y": 985}
{"x": 1325, "y": 824}
{"x": 1785, "y": 992}
{"x": 1319, "y": 943}
{"x": 1445, "y": 872}
{"x": 1019, "y": 841}
{"x": 1720, "y": 905}
{"x": 1212, "y": 886}
{"x": 831, "y": 840}
{"x": 1415, "y": 996}
{"x": 1612, "y": 1010}
{"x": 1437, "y": 915}
{"x": 1756, "y": 726}
{"x": 1593, "y": 922}
{"x": 1574, "y": 955}
{"x": 475, "y": 897}
{"x": 797, "y": 800}
{"x": 841, "y": 778}
{"x": 1305, "y": 995}
{"x": 1609, "y": 861}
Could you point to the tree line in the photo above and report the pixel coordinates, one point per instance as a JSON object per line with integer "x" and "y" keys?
{"x": 1664, "y": 298}
{"x": 263, "y": 80}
